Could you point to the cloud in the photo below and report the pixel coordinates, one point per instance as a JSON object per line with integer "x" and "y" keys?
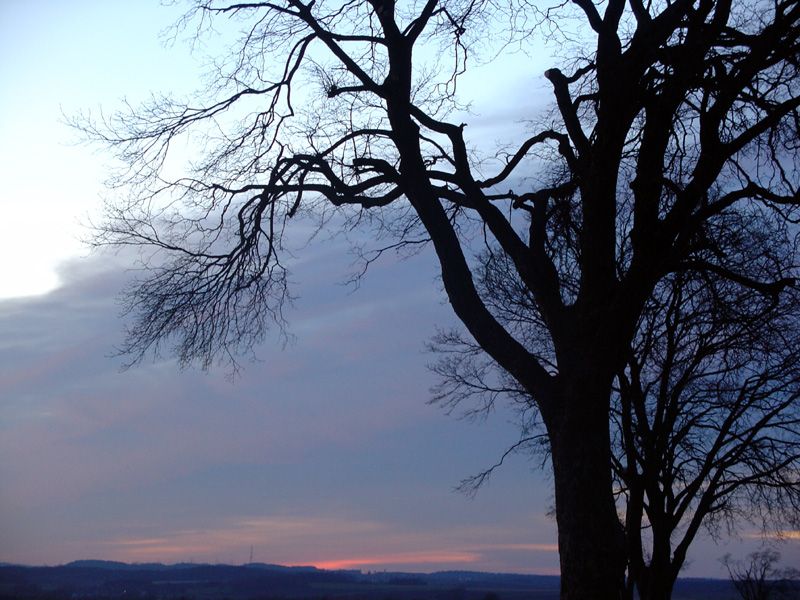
{"x": 65, "y": 393}
{"x": 324, "y": 542}
{"x": 327, "y": 441}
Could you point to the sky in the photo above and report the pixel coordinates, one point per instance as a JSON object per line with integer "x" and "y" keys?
{"x": 324, "y": 452}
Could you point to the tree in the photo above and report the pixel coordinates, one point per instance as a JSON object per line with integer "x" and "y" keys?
{"x": 705, "y": 416}
{"x": 674, "y": 118}
{"x": 706, "y": 422}
{"x": 758, "y": 579}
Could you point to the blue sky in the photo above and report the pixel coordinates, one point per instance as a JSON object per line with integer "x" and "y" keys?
{"x": 324, "y": 452}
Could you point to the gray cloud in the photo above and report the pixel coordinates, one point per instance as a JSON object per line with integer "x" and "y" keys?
{"x": 157, "y": 463}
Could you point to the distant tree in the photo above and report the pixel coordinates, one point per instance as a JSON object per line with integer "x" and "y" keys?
{"x": 672, "y": 120}
{"x": 757, "y": 577}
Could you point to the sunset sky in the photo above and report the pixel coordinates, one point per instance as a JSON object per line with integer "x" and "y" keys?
{"x": 324, "y": 452}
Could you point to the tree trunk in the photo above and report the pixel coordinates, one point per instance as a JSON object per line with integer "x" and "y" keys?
{"x": 658, "y": 578}
{"x": 591, "y": 539}
{"x": 655, "y": 585}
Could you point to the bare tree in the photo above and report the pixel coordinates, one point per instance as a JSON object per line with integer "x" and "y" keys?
{"x": 330, "y": 105}
{"x": 706, "y": 422}
{"x": 757, "y": 578}
{"x": 705, "y": 417}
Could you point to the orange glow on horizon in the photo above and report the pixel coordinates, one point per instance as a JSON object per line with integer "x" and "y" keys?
{"x": 432, "y": 557}
{"x": 401, "y": 558}
{"x": 294, "y": 536}
{"x": 779, "y": 535}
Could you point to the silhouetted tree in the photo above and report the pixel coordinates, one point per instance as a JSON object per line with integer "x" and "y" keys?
{"x": 673, "y": 119}
{"x": 706, "y": 421}
{"x": 705, "y": 417}
{"x": 757, "y": 577}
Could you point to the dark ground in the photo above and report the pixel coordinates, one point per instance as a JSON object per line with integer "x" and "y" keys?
{"x": 103, "y": 580}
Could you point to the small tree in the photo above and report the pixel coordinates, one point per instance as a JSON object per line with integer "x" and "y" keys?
{"x": 757, "y": 578}
{"x": 674, "y": 118}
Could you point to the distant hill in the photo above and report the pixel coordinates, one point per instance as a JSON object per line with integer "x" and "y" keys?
{"x": 121, "y": 566}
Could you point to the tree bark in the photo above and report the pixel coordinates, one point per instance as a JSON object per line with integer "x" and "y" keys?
{"x": 591, "y": 539}
{"x": 655, "y": 584}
